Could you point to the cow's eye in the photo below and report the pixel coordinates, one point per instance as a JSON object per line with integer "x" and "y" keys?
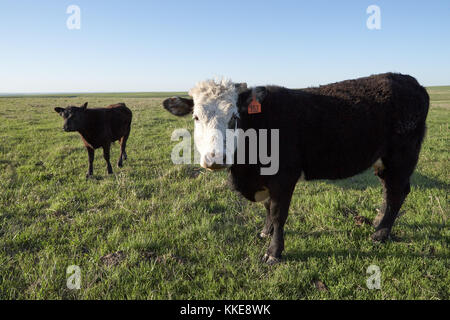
{"x": 195, "y": 118}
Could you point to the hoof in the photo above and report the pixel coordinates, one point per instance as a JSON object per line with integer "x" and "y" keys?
{"x": 270, "y": 260}
{"x": 119, "y": 164}
{"x": 89, "y": 176}
{"x": 381, "y": 235}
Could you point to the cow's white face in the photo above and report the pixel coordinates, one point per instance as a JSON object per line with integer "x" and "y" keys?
{"x": 214, "y": 112}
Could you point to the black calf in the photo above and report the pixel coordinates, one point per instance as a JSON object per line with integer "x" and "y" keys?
{"x": 99, "y": 128}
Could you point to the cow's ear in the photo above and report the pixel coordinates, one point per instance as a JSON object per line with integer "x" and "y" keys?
{"x": 84, "y": 106}
{"x": 178, "y": 106}
{"x": 59, "y": 110}
{"x": 240, "y": 87}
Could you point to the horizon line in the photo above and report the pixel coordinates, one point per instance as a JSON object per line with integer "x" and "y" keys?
{"x": 84, "y": 92}
{"x": 3, "y": 94}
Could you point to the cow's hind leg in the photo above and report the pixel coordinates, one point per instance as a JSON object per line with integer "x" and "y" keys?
{"x": 398, "y": 167}
{"x": 267, "y": 231}
{"x": 395, "y": 192}
{"x": 123, "y": 152}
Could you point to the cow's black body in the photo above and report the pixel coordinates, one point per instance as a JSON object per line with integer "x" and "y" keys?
{"x": 334, "y": 132}
{"x": 338, "y": 130}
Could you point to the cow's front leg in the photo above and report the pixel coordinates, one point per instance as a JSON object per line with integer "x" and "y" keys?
{"x": 279, "y": 208}
{"x": 106, "y": 148}
{"x": 267, "y": 231}
{"x": 91, "y": 152}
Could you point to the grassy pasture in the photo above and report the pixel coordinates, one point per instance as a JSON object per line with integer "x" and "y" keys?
{"x": 177, "y": 232}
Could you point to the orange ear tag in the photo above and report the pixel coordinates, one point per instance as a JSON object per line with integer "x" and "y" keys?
{"x": 254, "y": 106}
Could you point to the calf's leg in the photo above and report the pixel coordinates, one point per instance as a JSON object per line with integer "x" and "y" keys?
{"x": 91, "y": 153}
{"x": 123, "y": 153}
{"x": 106, "y": 149}
{"x": 125, "y": 156}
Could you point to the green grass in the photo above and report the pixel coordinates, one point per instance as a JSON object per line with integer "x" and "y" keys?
{"x": 183, "y": 234}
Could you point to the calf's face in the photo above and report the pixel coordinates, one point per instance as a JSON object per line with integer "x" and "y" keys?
{"x": 74, "y": 117}
{"x": 214, "y": 110}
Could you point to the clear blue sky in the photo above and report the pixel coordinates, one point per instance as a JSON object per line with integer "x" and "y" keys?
{"x": 170, "y": 45}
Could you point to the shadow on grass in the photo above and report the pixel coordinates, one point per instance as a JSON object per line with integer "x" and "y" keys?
{"x": 414, "y": 232}
{"x": 434, "y": 231}
{"x": 368, "y": 179}
{"x": 414, "y": 235}
{"x": 303, "y": 255}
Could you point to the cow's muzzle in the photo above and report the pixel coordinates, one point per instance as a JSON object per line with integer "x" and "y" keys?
{"x": 211, "y": 161}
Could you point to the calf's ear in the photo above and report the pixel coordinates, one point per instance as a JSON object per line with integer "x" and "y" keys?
{"x": 84, "y": 106}
{"x": 59, "y": 110}
{"x": 178, "y": 106}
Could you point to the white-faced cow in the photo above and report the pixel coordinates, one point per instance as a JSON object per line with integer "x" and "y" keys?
{"x": 329, "y": 132}
{"x": 99, "y": 127}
